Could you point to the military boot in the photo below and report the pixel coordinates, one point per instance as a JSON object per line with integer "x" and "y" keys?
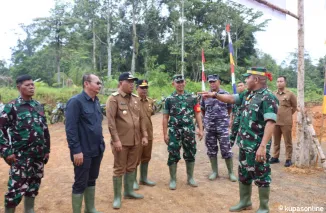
{"x": 173, "y": 176}
{"x": 129, "y": 193}
{"x": 190, "y": 173}
{"x": 214, "y": 173}
{"x": 29, "y": 204}
{"x": 77, "y": 200}
{"x": 143, "y": 175}
{"x": 245, "y": 199}
{"x": 10, "y": 210}
{"x": 117, "y": 184}
{"x": 263, "y": 198}
{"x": 135, "y": 183}
{"x": 229, "y": 165}
{"x": 90, "y": 200}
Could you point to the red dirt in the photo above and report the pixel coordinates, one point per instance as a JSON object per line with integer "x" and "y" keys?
{"x": 290, "y": 187}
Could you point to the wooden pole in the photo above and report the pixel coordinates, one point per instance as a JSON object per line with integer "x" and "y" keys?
{"x": 277, "y": 8}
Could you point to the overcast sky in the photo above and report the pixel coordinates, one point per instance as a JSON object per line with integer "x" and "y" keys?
{"x": 279, "y": 39}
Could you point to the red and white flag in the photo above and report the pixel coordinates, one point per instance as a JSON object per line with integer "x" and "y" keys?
{"x": 203, "y": 77}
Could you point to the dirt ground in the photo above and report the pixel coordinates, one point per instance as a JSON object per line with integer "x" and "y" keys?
{"x": 291, "y": 187}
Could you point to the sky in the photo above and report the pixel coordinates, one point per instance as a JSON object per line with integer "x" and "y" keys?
{"x": 279, "y": 39}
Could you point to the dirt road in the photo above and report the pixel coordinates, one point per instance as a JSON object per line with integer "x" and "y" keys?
{"x": 290, "y": 187}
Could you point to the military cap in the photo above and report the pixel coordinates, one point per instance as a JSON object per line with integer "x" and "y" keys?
{"x": 213, "y": 77}
{"x": 178, "y": 77}
{"x": 127, "y": 76}
{"x": 258, "y": 71}
{"x": 142, "y": 83}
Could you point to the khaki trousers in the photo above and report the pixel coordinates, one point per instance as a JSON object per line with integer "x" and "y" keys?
{"x": 126, "y": 160}
{"x": 145, "y": 153}
{"x": 286, "y": 131}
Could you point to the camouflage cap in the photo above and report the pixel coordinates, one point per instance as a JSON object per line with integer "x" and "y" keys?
{"x": 213, "y": 77}
{"x": 178, "y": 77}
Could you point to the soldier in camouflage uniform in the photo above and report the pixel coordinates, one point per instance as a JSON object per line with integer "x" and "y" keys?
{"x": 23, "y": 120}
{"x": 235, "y": 116}
{"x": 179, "y": 111}
{"x": 254, "y": 137}
{"x": 216, "y": 121}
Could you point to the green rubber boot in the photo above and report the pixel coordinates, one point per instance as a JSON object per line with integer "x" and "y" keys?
{"x": 29, "y": 204}
{"x": 129, "y": 193}
{"x": 117, "y": 184}
{"x": 89, "y": 195}
{"x": 190, "y": 173}
{"x": 135, "y": 183}
{"x": 77, "y": 200}
{"x": 10, "y": 210}
{"x": 173, "y": 176}
{"x": 229, "y": 165}
{"x": 263, "y": 198}
{"x": 214, "y": 174}
{"x": 245, "y": 199}
{"x": 143, "y": 175}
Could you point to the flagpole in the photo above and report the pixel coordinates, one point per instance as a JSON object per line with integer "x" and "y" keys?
{"x": 231, "y": 59}
{"x": 203, "y": 78}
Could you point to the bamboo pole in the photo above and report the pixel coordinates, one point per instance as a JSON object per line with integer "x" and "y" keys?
{"x": 277, "y": 8}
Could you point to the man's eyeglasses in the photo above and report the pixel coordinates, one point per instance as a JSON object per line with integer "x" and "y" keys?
{"x": 98, "y": 83}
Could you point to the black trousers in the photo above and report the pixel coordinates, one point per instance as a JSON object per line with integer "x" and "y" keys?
{"x": 86, "y": 174}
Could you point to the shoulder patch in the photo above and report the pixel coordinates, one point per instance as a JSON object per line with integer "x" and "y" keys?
{"x": 115, "y": 94}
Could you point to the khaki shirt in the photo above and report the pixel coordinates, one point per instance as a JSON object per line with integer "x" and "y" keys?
{"x": 288, "y": 106}
{"x": 146, "y": 106}
{"x": 125, "y": 119}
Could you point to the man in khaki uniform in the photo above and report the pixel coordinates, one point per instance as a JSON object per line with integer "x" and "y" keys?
{"x": 145, "y": 152}
{"x": 288, "y": 106}
{"x": 128, "y": 132}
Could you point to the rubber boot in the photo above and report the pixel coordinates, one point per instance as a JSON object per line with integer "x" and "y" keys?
{"x": 263, "y": 198}
{"x": 214, "y": 174}
{"x": 77, "y": 200}
{"x": 229, "y": 165}
{"x": 10, "y": 210}
{"x": 173, "y": 176}
{"x": 29, "y": 204}
{"x": 129, "y": 193}
{"x": 117, "y": 184}
{"x": 135, "y": 184}
{"x": 190, "y": 173}
{"x": 245, "y": 199}
{"x": 143, "y": 175}
{"x": 90, "y": 200}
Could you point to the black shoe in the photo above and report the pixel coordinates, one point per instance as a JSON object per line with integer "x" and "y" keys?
{"x": 274, "y": 160}
{"x": 288, "y": 163}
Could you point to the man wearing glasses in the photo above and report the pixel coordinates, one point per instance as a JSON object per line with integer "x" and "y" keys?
{"x": 216, "y": 120}
{"x": 145, "y": 152}
{"x": 179, "y": 130}
{"x": 85, "y": 140}
{"x": 128, "y": 132}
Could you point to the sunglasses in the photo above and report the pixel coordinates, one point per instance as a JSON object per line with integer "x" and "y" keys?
{"x": 98, "y": 83}
{"x": 143, "y": 87}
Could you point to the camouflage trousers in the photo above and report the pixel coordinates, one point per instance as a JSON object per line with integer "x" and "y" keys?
{"x": 218, "y": 132}
{"x": 24, "y": 180}
{"x": 250, "y": 170}
{"x": 185, "y": 137}
{"x": 234, "y": 132}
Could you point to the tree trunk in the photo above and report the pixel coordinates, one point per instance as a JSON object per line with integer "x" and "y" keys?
{"x": 109, "y": 39}
{"x": 94, "y": 45}
{"x": 134, "y": 38}
{"x": 302, "y": 149}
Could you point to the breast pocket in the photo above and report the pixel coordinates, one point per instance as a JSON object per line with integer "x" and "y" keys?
{"x": 286, "y": 103}
{"x": 123, "y": 110}
{"x": 88, "y": 115}
{"x": 254, "y": 112}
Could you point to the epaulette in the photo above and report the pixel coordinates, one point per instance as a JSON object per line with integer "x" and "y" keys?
{"x": 134, "y": 95}
{"x": 115, "y": 94}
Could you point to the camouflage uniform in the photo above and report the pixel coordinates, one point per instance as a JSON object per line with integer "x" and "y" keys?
{"x": 30, "y": 141}
{"x": 216, "y": 123}
{"x": 258, "y": 107}
{"x": 236, "y": 113}
{"x": 181, "y": 126}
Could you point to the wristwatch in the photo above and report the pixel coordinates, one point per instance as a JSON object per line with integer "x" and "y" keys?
{"x": 215, "y": 95}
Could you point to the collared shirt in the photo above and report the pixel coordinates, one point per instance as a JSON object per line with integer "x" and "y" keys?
{"x": 125, "y": 119}
{"x": 180, "y": 108}
{"x": 23, "y": 129}
{"x": 288, "y": 106}
{"x": 146, "y": 106}
{"x": 84, "y": 125}
{"x": 258, "y": 107}
{"x": 214, "y": 109}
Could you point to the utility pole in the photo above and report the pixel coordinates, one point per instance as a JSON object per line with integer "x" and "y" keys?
{"x": 182, "y": 37}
